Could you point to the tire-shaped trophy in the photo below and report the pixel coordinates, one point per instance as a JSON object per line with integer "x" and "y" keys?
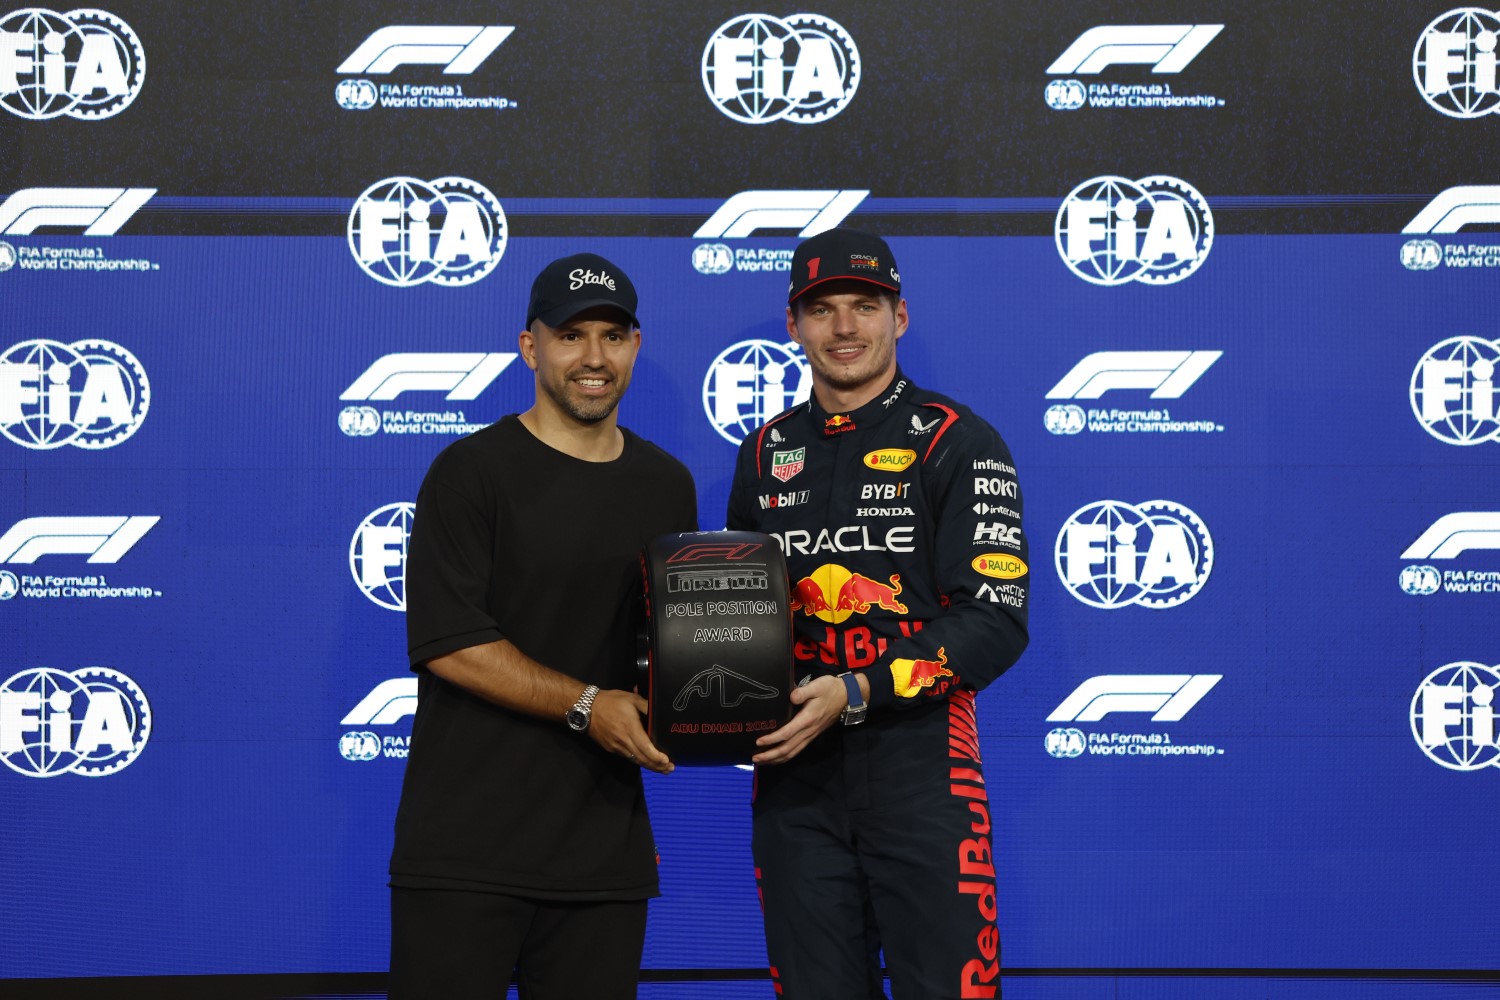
{"x": 717, "y": 644}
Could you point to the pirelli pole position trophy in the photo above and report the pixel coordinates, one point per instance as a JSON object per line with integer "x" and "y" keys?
{"x": 717, "y": 650}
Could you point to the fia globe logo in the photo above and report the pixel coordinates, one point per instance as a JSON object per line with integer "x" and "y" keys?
{"x": 85, "y": 64}
{"x": 359, "y": 746}
{"x": 91, "y": 722}
{"x": 1453, "y": 716}
{"x": 758, "y": 69}
{"x": 356, "y": 95}
{"x": 752, "y": 381}
{"x": 91, "y": 394}
{"x": 713, "y": 258}
{"x": 7, "y": 256}
{"x": 1065, "y": 743}
{"x": 1111, "y": 554}
{"x": 404, "y": 231}
{"x": 1065, "y": 95}
{"x": 1421, "y": 581}
{"x": 1454, "y": 63}
{"x": 1453, "y": 391}
{"x": 1113, "y": 230}
{"x": 377, "y": 554}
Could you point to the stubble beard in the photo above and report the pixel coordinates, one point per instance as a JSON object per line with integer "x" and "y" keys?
{"x": 585, "y": 410}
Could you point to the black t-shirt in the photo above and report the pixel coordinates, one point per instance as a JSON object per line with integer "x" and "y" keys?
{"x": 513, "y": 539}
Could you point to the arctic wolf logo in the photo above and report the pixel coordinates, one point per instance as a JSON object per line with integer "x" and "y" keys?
{"x": 733, "y": 688}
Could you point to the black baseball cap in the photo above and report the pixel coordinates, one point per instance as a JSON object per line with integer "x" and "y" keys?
{"x": 569, "y": 285}
{"x": 843, "y": 253}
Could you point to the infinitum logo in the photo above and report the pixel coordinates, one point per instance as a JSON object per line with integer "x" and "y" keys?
{"x": 1166, "y": 48}
{"x": 459, "y": 50}
{"x": 404, "y": 231}
{"x": 1453, "y": 391}
{"x": 461, "y": 376}
{"x": 91, "y": 394}
{"x": 1448, "y": 213}
{"x": 85, "y": 64}
{"x": 1454, "y": 63}
{"x": 759, "y": 69}
{"x": 1112, "y": 230}
{"x": 1111, "y": 554}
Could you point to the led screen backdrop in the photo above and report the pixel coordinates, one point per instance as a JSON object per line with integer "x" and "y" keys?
{"x": 1223, "y": 275}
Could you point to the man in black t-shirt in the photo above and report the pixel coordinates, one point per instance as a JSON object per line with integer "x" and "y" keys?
{"x": 522, "y": 841}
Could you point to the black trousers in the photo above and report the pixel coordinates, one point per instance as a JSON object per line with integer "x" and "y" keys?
{"x": 455, "y": 945}
{"x": 877, "y": 838}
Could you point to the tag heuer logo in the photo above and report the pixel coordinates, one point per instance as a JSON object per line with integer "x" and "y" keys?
{"x": 786, "y": 464}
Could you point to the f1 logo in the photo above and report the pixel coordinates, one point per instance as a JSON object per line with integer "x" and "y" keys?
{"x": 462, "y": 376}
{"x": 1469, "y": 205}
{"x": 101, "y": 211}
{"x": 459, "y": 50}
{"x": 713, "y": 550}
{"x": 1168, "y": 374}
{"x": 1454, "y": 534}
{"x": 811, "y": 211}
{"x": 102, "y": 539}
{"x": 1166, "y": 48}
{"x": 1169, "y": 696}
{"x": 389, "y": 703}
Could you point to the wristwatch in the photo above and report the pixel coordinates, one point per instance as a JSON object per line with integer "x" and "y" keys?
{"x": 856, "y": 711}
{"x": 583, "y": 709}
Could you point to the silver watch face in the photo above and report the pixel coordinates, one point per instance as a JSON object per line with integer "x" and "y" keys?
{"x": 578, "y": 719}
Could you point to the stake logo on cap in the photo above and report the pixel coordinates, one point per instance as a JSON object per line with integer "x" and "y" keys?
{"x": 569, "y": 285}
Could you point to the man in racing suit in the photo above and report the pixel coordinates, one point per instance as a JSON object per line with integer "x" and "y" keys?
{"x": 900, "y": 516}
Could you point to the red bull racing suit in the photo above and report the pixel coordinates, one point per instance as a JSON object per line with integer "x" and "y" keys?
{"x": 901, "y": 524}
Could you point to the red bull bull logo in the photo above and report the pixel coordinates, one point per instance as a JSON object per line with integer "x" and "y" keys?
{"x": 914, "y": 676}
{"x": 832, "y": 593}
{"x": 837, "y": 424}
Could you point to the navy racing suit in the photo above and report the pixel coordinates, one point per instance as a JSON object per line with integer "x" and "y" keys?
{"x": 901, "y": 525}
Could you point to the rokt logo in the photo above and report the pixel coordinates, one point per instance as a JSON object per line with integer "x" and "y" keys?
{"x": 1168, "y": 696}
{"x": 1453, "y": 391}
{"x": 389, "y": 703}
{"x": 91, "y": 722}
{"x": 1112, "y": 230}
{"x": 377, "y": 554}
{"x": 1454, "y": 63}
{"x": 85, "y": 64}
{"x": 1111, "y": 554}
{"x": 1168, "y": 374}
{"x": 758, "y": 68}
{"x": 1457, "y": 207}
{"x": 1166, "y": 48}
{"x": 458, "y": 49}
{"x": 100, "y": 211}
{"x": 752, "y": 381}
{"x": 404, "y": 231}
{"x": 1453, "y": 716}
{"x": 91, "y": 394}
{"x": 102, "y": 539}
{"x": 812, "y": 212}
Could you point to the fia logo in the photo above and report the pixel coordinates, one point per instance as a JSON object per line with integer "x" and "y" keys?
{"x": 91, "y": 394}
{"x": 1453, "y": 391}
{"x": 91, "y": 722}
{"x": 1421, "y": 581}
{"x": 1112, "y": 230}
{"x": 377, "y": 554}
{"x": 1453, "y": 716}
{"x": 752, "y": 381}
{"x": 758, "y": 68}
{"x": 713, "y": 258}
{"x": 1111, "y": 554}
{"x": 404, "y": 231}
{"x": 86, "y": 64}
{"x": 1454, "y": 63}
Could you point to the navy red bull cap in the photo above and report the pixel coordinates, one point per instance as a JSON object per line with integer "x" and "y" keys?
{"x": 569, "y": 285}
{"x": 841, "y": 254}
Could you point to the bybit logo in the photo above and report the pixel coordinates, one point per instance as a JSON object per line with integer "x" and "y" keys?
{"x": 85, "y": 64}
{"x": 752, "y": 381}
{"x": 1454, "y": 63}
{"x": 404, "y": 231}
{"x": 1453, "y": 391}
{"x": 91, "y": 394}
{"x": 759, "y": 69}
{"x": 1111, "y": 554}
{"x": 1112, "y": 230}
